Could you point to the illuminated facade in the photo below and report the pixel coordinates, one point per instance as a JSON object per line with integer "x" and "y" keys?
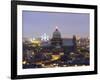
{"x": 44, "y": 37}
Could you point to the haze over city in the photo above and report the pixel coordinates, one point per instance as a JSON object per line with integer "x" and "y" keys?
{"x": 36, "y": 24}
{"x": 47, "y": 43}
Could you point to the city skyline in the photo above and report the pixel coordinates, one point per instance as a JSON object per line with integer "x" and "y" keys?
{"x": 36, "y": 24}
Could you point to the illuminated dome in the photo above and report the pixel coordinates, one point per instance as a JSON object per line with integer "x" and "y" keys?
{"x": 56, "y": 33}
{"x": 56, "y": 40}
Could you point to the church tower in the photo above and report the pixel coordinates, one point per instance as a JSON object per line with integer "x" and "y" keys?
{"x": 74, "y": 43}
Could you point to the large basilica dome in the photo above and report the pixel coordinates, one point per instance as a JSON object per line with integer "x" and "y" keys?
{"x": 56, "y": 39}
{"x": 56, "y": 33}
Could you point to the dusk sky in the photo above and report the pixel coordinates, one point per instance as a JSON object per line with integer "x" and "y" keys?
{"x": 36, "y": 24}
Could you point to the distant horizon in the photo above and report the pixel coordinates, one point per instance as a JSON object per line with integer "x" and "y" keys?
{"x": 26, "y": 38}
{"x": 69, "y": 24}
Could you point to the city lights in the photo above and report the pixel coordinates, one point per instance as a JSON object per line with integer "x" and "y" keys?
{"x": 44, "y": 52}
